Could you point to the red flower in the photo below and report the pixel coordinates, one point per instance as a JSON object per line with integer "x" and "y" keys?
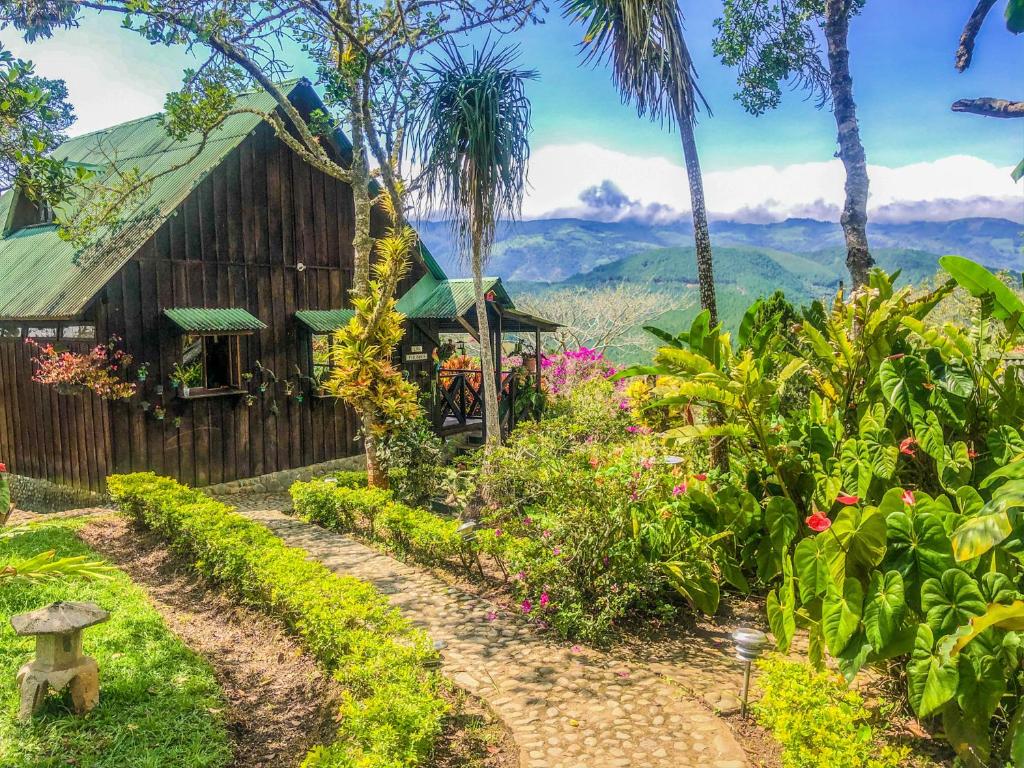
{"x": 3, "y": 467}
{"x": 818, "y": 521}
{"x": 908, "y": 498}
{"x": 907, "y": 446}
{"x": 847, "y": 499}
{"x": 700, "y": 476}
{"x": 972, "y": 454}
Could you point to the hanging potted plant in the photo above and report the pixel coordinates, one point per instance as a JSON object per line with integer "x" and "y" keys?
{"x": 100, "y": 370}
{"x": 185, "y": 377}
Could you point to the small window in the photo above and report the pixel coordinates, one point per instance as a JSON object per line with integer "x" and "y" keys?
{"x": 321, "y": 363}
{"x": 10, "y": 332}
{"x": 26, "y": 212}
{"x": 209, "y": 365}
{"x": 78, "y": 332}
{"x": 41, "y": 332}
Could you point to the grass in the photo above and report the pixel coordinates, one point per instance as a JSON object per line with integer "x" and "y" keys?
{"x": 159, "y": 702}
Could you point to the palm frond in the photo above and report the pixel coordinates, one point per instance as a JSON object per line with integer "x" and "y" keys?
{"x": 643, "y": 41}
{"x": 473, "y": 139}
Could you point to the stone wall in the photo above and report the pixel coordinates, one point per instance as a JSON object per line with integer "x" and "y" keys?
{"x": 34, "y": 495}
{"x": 278, "y": 482}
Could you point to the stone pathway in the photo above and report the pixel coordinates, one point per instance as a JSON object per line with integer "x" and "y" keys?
{"x": 566, "y": 708}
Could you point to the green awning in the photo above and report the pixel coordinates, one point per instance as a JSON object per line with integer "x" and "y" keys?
{"x": 447, "y": 299}
{"x": 324, "y": 320}
{"x": 214, "y": 321}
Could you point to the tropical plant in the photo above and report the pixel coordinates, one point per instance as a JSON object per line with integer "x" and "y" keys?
{"x": 885, "y": 507}
{"x": 653, "y": 69}
{"x": 101, "y": 370}
{"x": 775, "y": 41}
{"x": 474, "y": 138}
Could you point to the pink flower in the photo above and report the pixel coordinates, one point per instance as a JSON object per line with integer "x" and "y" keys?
{"x": 527, "y": 606}
{"x": 700, "y": 476}
{"x": 647, "y": 463}
{"x": 576, "y": 649}
{"x": 908, "y": 498}
{"x": 594, "y": 462}
{"x": 556, "y": 551}
{"x": 521, "y": 576}
{"x": 527, "y": 521}
{"x": 546, "y": 535}
{"x": 491, "y": 615}
{"x": 907, "y": 446}
{"x": 680, "y": 489}
{"x": 544, "y": 599}
{"x": 497, "y": 531}
{"x": 847, "y": 499}
{"x": 622, "y": 674}
{"x": 818, "y": 522}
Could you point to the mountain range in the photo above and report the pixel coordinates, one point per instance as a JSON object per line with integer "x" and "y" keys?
{"x": 565, "y": 250}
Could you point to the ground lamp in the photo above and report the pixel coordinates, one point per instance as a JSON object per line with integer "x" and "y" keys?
{"x": 750, "y": 643}
{"x": 59, "y": 662}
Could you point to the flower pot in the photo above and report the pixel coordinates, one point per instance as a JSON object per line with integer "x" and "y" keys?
{"x": 185, "y": 390}
{"x": 531, "y": 364}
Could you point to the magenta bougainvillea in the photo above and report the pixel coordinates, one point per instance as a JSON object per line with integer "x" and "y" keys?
{"x": 567, "y": 370}
{"x": 100, "y": 370}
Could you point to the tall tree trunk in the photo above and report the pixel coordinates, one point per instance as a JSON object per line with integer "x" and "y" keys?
{"x": 491, "y": 420}
{"x": 705, "y": 265}
{"x": 851, "y": 151}
{"x": 701, "y": 236}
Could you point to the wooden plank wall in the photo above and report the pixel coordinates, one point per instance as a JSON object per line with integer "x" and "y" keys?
{"x": 61, "y": 438}
{"x": 237, "y": 241}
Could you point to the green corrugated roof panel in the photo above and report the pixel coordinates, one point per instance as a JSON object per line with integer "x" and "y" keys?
{"x": 325, "y": 320}
{"x": 431, "y": 298}
{"x": 42, "y": 276}
{"x": 215, "y": 320}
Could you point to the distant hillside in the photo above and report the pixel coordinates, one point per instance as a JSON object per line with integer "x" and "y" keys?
{"x": 552, "y": 250}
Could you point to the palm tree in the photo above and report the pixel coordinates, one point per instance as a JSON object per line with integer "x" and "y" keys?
{"x": 473, "y": 139}
{"x": 652, "y": 68}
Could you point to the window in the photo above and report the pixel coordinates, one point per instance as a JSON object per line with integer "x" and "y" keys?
{"x": 78, "y": 332}
{"x": 321, "y": 365}
{"x": 10, "y": 332}
{"x": 26, "y": 212}
{"x": 209, "y": 365}
{"x": 41, "y": 332}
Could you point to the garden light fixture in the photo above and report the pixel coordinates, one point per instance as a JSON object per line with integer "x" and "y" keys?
{"x": 750, "y": 644}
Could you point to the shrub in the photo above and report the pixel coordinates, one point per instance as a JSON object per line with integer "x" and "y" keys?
{"x": 818, "y": 721}
{"x": 350, "y": 479}
{"x": 392, "y": 709}
{"x": 411, "y": 453}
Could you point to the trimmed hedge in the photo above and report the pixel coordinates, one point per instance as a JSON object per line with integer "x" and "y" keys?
{"x": 411, "y": 531}
{"x": 392, "y": 709}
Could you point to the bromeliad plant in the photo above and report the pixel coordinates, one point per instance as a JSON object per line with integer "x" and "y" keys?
{"x": 877, "y": 484}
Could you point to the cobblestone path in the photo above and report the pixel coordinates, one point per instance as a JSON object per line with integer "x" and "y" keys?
{"x": 566, "y": 707}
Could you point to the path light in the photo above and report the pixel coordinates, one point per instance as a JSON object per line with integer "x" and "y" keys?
{"x": 672, "y": 460}
{"x": 750, "y": 643}
{"x": 59, "y": 662}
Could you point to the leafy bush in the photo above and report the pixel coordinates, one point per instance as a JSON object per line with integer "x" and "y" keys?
{"x": 565, "y": 371}
{"x": 818, "y": 721}
{"x": 392, "y": 707}
{"x": 885, "y": 505}
{"x": 411, "y": 453}
{"x": 350, "y": 479}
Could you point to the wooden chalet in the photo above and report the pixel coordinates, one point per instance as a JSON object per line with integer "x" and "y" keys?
{"x": 220, "y": 281}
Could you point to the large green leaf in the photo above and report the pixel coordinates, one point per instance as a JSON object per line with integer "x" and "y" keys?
{"x": 951, "y": 600}
{"x": 782, "y": 521}
{"x": 930, "y": 436}
{"x": 1004, "y": 443}
{"x": 840, "y": 615}
{"x": 979, "y": 534}
{"x": 818, "y": 565}
{"x": 862, "y": 532}
{"x": 781, "y": 620}
{"x": 932, "y": 681}
{"x": 1010, "y": 617}
{"x": 966, "y": 735}
{"x": 884, "y": 608}
{"x": 702, "y": 592}
{"x": 982, "y": 685}
{"x": 919, "y": 549}
{"x": 979, "y": 282}
{"x": 903, "y": 384}
{"x": 955, "y": 466}
{"x": 1015, "y": 16}
{"x": 997, "y": 588}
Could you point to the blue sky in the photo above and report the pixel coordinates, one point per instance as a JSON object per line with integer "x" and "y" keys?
{"x": 904, "y": 82}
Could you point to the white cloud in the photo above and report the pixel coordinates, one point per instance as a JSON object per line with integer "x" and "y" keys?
{"x": 655, "y": 188}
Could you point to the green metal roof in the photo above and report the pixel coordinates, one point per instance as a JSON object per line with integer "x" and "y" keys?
{"x": 325, "y": 320}
{"x": 44, "y": 277}
{"x": 217, "y": 320}
{"x": 431, "y": 298}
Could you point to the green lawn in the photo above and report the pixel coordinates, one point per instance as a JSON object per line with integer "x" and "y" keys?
{"x": 159, "y": 702}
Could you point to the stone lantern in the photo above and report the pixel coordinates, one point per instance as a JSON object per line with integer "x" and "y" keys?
{"x": 59, "y": 662}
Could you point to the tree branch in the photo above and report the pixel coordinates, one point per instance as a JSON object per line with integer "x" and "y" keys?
{"x": 989, "y": 107}
{"x": 971, "y": 29}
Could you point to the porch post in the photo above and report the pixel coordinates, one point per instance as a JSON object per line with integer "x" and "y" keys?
{"x": 538, "y": 356}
